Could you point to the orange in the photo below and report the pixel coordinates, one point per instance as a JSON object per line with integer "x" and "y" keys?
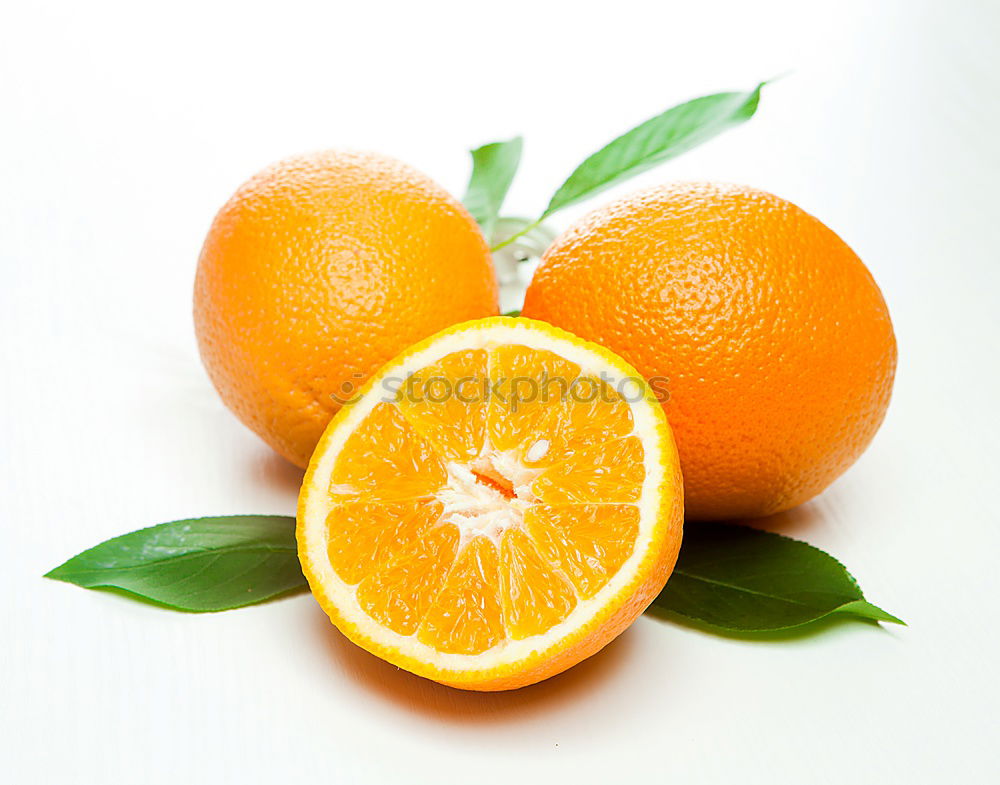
{"x": 501, "y": 502}
{"x": 767, "y": 333}
{"x": 316, "y": 272}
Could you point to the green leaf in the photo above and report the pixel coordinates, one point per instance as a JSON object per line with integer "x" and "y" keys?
{"x": 657, "y": 140}
{"x": 747, "y": 580}
{"x": 493, "y": 169}
{"x": 197, "y": 564}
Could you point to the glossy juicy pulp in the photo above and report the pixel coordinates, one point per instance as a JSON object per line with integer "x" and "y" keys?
{"x": 769, "y": 334}
{"x": 475, "y": 508}
{"x": 318, "y": 271}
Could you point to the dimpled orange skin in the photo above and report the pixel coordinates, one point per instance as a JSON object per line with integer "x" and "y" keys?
{"x": 316, "y": 272}
{"x": 774, "y": 338}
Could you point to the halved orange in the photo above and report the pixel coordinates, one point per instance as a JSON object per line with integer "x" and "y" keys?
{"x": 500, "y": 502}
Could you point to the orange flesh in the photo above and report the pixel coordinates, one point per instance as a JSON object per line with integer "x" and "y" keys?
{"x": 482, "y": 504}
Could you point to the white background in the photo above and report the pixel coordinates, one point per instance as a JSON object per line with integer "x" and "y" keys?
{"x": 125, "y": 127}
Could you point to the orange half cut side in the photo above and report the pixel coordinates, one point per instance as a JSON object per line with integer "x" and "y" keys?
{"x": 500, "y": 502}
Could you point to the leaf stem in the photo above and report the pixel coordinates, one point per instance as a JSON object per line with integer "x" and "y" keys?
{"x": 537, "y": 222}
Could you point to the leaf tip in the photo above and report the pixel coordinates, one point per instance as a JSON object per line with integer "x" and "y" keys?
{"x": 56, "y": 573}
{"x": 867, "y": 610}
{"x": 882, "y": 615}
{"x": 888, "y": 617}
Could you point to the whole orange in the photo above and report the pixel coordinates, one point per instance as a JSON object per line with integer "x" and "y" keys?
{"x": 316, "y": 272}
{"x": 768, "y": 333}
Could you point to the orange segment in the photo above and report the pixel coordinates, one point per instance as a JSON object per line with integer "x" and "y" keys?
{"x": 385, "y": 458}
{"x": 466, "y": 618}
{"x": 364, "y": 536}
{"x": 591, "y": 413}
{"x": 400, "y": 596}
{"x": 535, "y": 596}
{"x": 587, "y": 542}
{"x": 544, "y": 410}
{"x": 526, "y": 382}
{"x": 446, "y": 402}
{"x": 606, "y": 473}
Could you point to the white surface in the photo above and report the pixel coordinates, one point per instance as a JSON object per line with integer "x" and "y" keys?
{"x": 124, "y": 129}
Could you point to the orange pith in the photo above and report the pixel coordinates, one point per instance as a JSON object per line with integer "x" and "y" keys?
{"x": 467, "y": 512}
